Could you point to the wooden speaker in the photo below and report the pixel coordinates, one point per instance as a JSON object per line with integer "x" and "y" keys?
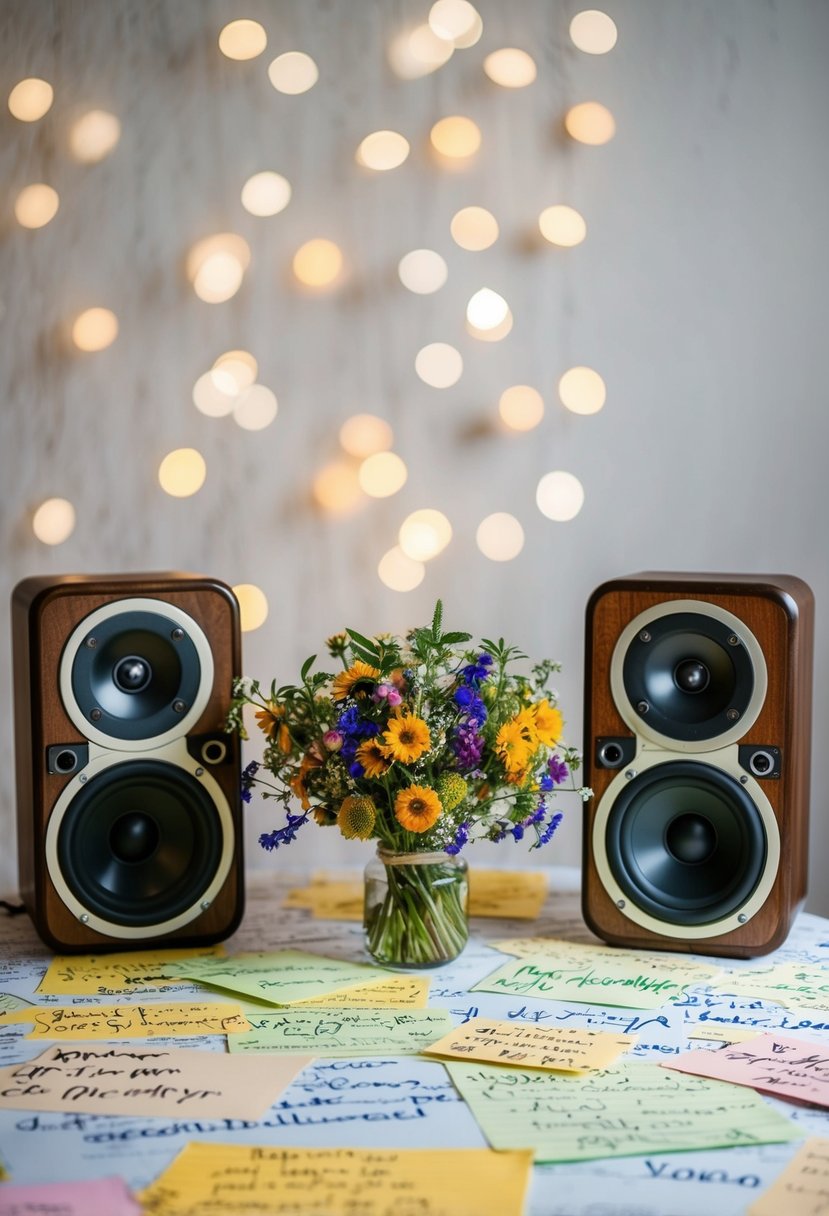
{"x": 697, "y": 744}
{"x": 128, "y": 789}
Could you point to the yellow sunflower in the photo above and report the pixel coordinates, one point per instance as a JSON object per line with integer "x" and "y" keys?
{"x": 548, "y": 723}
{"x": 417, "y": 808}
{"x": 406, "y": 738}
{"x": 372, "y": 756}
{"x": 345, "y": 682}
{"x": 514, "y": 746}
{"x": 356, "y": 817}
{"x": 270, "y": 722}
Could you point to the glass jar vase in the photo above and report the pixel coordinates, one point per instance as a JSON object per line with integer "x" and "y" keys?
{"x": 415, "y": 909}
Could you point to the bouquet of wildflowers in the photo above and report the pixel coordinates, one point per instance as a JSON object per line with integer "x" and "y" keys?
{"x": 421, "y": 743}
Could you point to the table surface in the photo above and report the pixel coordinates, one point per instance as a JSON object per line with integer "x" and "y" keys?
{"x": 410, "y": 1101}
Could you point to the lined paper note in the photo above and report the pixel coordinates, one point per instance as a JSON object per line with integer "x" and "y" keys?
{"x": 791, "y": 984}
{"x": 282, "y": 977}
{"x": 626, "y": 1111}
{"x": 214, "y": 1179}
{"x": 803, "y": 1187}
{"x": 787, "y": 1068}
{"x": 342, "y": 1032}
{"x": 130, "y": 1021}
{"x": 110, "y": 1080}
{"x": 402, "y": 992}
{"x": 105, "y": 975}
{"x": 562, "y": 1048}
{"x": 97, "y": 1197}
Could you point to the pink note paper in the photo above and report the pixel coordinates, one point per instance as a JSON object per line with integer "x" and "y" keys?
{"x": 100, "y": 1197}
{"x": 786, "y": 1068}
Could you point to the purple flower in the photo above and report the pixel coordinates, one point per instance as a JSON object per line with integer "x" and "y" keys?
{"x": 272, "y": 840}
{"x": 461, "y": 837}
{"x": 557, "y": 770}
{"x": 467, "y": 745}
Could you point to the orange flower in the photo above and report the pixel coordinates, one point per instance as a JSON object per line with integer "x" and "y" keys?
{"x": 548, "y": 723}
{"x": 270, "y": 722}
{"x": 297, "y": 782}
{"x": 372, "y": 756}
{"x": 346, "y": 681}
{"x": 417, "y": 808}
{"x": 406, "y": 738}
{"x": 514, "y": 745}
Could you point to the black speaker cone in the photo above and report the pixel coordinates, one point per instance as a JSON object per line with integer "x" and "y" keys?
{"x": 140, "y": 843}
{"x": 689, "y": 676}
{"x": 135, "y": 674}
{"x": 686, "y": 843}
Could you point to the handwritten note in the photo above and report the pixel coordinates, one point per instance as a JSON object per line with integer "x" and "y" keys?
{"x": 341, "y": 1032}
{"x": 9, "y": 1003}
{"x": 105, "y": 975}
{"x": 626, "y": 1111}
{"x": 803, "y": 1187}
{"x": 595, "y": 976}
{"x": 283, "y": 977}
{"x": 788, "y": 1068}
{"x": 130, "y": 1021}
{"x": 563, "y": 1048}
{"x": 791, "y": 984}
{"x": 214, "y": 1179}
{"x": 721, "y": 1034}
{"x": 98, "y": 1197}
{"x": 516, "y": 894}
{"x": 144, "y": 1081}
{"x": 402, "y": 992}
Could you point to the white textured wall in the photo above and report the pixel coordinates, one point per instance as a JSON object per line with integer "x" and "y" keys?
{"x": 699, "y": 295}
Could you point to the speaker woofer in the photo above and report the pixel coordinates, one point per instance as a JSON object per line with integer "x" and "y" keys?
{"x": 686, "y": 843}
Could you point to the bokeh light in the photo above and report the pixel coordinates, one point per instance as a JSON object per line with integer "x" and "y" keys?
{"x": 94, "y": 136}
{"x": 399, "y": 572}
{"x": 500, "y": 537}
{"x": 561, "y": 225}
{"x": 439, "y": 365}
{"x": 266, "y": 193}
{"x": 422, "y": 271}
{"x": 424, "y": 533}
{"x": 95, "y": 329}
{"x": 364, "y": 434}
{"x": 383, "y": 150}
{"x": 456, "y": 137}
{"x": 559, "y": 495}
{"x": 418, "y": 52}
{"x": 511, "y": 68}
{"x": 54, "y": 521}
{"x": 182, "y": 472}
{"x": 215, "y": 393}
{"x": 294, "y": 72}
{"x": 582, "y": 390}
{"x": 336, "y": 487}
{"x": 382, "y": 474}
{"x": 243, "y": 39}
{"x": 253, "y": 606}
{"x": 318, "y": 263}
{"x": 255, "y": 408}
{"x": 453, "y": 19}
{"x": 521, "y": 407}
{"x": 474, "y": 228}
{"x": 31, "y": 98}
{"x": 216, "y": 266}
{"x": 486, "y": 309}
{"x": 590, "y": 123}
{"x": 36, "y": 205}
{"x": 593, "y": 32}
{"x": 240, "y": 365}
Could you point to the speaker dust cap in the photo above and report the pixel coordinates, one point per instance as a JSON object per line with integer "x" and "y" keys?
{"x": 686, "y": 674}
{"x": 136, "y": 673}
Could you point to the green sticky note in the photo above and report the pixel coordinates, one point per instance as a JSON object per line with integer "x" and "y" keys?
{"x": 343, "y": 1032}
{"x": 626, "y": 1111}
{"x": 9, "y": 1003}
{"x": 282, "y": 977}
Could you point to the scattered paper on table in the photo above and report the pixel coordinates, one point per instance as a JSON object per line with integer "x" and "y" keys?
{"x": 562, "y": 1048}
{"x": 154, "y": 1021}
{"x": 626, "y": 1111}
{"x": 110, "y": 1080}
{"x": 97, "y": 1197}
{"x": 9, "y": 1003}
{"x": 343, "y": 1032}
{"x": 282, "y": 977}
{"x": 401, "y": 992}
{"x": 803, "y": 1187}
{"x": 790, "y": 984}
{"x": 214, "y": 1179}
{"x": 787, "y": 1068}
{"x": 721, "y": 1034}
{"x": 107, "y": 974}
{"x": 514, "y": 894}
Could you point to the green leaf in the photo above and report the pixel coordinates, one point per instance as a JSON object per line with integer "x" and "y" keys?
{"x": 453, "y": 639}
{"x": 306, "y": 667}
{"x": 437, "y": 620}
{"x": 365, "y": 644}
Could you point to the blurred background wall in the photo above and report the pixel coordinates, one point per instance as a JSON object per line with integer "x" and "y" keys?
{"x": 698, "y": 296}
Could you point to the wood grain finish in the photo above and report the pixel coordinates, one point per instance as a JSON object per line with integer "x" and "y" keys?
{"x": 45, "y": 611}
{"x": 779, "y": 611}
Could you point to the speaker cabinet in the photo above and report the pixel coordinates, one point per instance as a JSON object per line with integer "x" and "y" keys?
{"x": 128, "y": 789}
{"x": 696, "y": 739}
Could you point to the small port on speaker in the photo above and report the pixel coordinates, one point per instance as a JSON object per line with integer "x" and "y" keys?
{"x": 611, "y": 755}
{"x": 761, "y": 763}
{"x": 66, "y": 761}
{"x": 214, "y": 752}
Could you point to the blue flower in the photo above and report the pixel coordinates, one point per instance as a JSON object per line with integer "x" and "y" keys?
{"x": 475, "y": 673}
{"x": 550, "y": 830}
{"x": 272, "y": 840}
{"x": 248, "y": 779}
{"x": 518, "y": 831}
{"x": 356, "y": 769}
{"x": 461, "y": 837}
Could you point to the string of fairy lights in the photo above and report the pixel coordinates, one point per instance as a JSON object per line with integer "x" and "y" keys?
{"x": 216, "y": 267}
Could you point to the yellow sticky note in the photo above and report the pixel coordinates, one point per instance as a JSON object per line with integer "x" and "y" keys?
{"x": 518, "y": 894}
{"x": 402, "y": 992}
{"x": 803, "y": 1187}
{"x": 560, "y": 1048}
{"x": 343, "y": 1032}
{"x": 132, "y": 1021}
{"x": 213, "y": 1179}
{"x": 109, "y": 974}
